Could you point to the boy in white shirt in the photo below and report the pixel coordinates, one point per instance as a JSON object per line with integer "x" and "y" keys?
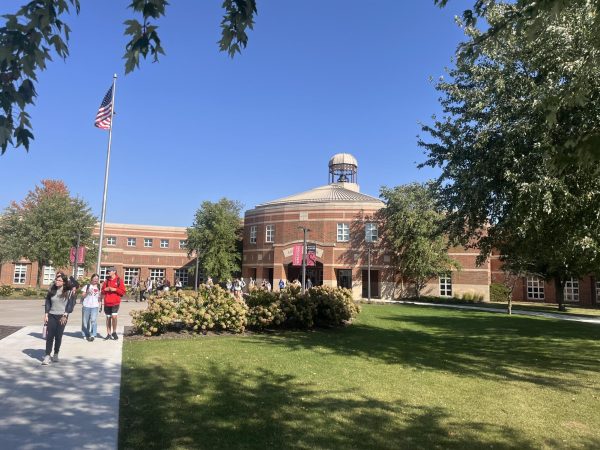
{"x": 91, "y": 305}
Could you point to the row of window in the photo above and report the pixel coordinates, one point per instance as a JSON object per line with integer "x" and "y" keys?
{"x": 148, "y": 242}
{"x": 343, "y": 233}
{"x": 535, "y": 289}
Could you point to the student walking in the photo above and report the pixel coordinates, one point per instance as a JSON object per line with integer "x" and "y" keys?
{"x": 60, "y": 302}
{"x": 143, "y": 288}
{"x": 112, "y": 291}
{"x": 91, "y": 302}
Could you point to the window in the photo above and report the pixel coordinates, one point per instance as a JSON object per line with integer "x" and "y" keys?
{"x": 182, "y": 275}
{"x": 182, "y": 243}
{"x": 157, "y": 274}
{"x": 371, "y": 234}
{"x": 80, "y": 272}
{"x": 164, "y": 243}
{"x": 20, "y": 274}
{"x": 572, "y": 290}
{"x": 48, "y": 275}
{"x": 343, "y": 232}
{"x": 111, "y": 240}
{"x": 103, "y": 273}
{"x": 446, "y": 285}
{"x": 597, "y": 292}
{"x": 147, "y": 242}
{"x": 535, "y": 288}
{"x": 253, "y": 234}
{"x": 270, "y": 233}
{"x": 129, "y": 273}
{"x": 131, "y": 242}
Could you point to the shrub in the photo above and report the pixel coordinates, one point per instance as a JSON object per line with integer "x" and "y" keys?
{"x": 6, "y": 291}
{"x": 31, "y": 292}
{"x": 334, "y": 306}
{"x": 499, "y": 292}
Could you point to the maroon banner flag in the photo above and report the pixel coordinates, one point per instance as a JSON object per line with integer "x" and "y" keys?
{"x": 311, "y": 254}
{"x": 80, "y": 255}
{"x": 297, "y": 256}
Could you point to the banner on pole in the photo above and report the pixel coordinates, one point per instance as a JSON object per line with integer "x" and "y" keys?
{"x": 311, "y": 254}
{"x": 297, "y": 255}
{"x": 80, "y": 255}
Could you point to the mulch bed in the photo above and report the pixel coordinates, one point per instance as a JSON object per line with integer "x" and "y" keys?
{"x": 7, "y": 330}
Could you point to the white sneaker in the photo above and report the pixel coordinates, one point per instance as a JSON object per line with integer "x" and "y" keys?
{"x": 55, "y": 358}
{"x": 47, "y": 360}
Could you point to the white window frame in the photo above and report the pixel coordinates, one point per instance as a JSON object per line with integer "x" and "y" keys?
{"x": 129, "y": 273}
{"x": 270, "y": 233}
{"x": 111, "y": 240}
{"x": 371, "y": 232}
{"x": 20, "y": 273}
{"x": 343, "y": 232}
{"x": 157, "y": 273}
{"x": 164, "y": 243}
{"x": 571, "y": 290}
{"x": 597, "y": 292}
{"x": 103, "y": 273}
{"x": 183, "y": 275}
{"x": 48, "y": 275}
{"x": 253, "y": 230}
{"x": 131, "y": 242}
{"x": 182, "y": 243}
{"x": 446, "y": 285}
{"x": 80, "y": 272}
{"x": 535, "y": 288}
{"x": 148, "y": 242}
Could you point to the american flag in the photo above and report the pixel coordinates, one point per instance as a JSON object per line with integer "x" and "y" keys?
{"x": 103, "y": 117}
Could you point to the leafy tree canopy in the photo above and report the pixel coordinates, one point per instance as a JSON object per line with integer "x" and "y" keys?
{"x": 564, "y": 37}
{"x": 214, "y": 237}
{"x": 411, "y": 232}
{"x": 44, "y": 226}
{"x": 499, "y": 186}
{"x": 37, "y": 31}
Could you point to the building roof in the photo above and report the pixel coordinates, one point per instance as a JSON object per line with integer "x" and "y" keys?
{"x": 343, "y": 158}
{"x": 325, "y": 194}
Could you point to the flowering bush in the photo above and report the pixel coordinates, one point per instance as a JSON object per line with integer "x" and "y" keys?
{"x": 215, "y": 309}
{"x": 6, "y": 291}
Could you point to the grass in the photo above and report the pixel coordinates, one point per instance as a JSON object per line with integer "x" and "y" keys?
{"x": 400, "y": 377}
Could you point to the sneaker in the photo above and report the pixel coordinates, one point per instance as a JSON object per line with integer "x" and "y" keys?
{"x": 89, "y": 339}
{"x": 108, "y": 337}
{"x": 55, "y": 358}
{"x": 115, "y": 337}
{"x": 47, "y": 360}
{"x": 92, "y": 338}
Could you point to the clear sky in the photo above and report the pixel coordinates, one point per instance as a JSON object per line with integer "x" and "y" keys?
{"x": 332, "y": 76}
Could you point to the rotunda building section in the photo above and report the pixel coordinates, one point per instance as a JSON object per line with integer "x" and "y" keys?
{"x": 342, "y": 235}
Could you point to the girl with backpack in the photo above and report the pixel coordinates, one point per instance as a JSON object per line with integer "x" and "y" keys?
{"x": 91, "y": 305}
{"x": 59, "y": 303}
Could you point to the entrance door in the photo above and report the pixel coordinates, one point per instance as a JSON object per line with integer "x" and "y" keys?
{"x": 374, "y": 283}
{"x": 344, "y": 278}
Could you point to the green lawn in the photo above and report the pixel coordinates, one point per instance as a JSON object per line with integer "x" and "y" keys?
{"x": 400, "y": 377}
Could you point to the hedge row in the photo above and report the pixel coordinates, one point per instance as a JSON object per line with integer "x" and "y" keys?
{"x": 214, "y": 309}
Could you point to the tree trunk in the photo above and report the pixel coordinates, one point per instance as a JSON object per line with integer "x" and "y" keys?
{"x": 559, "y": 285}
{"x": 38, "y": 282}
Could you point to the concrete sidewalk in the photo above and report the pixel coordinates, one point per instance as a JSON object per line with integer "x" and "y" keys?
{"x": 66, "y": 405}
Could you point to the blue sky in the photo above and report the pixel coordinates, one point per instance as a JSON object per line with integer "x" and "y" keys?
{"x": 334, "y": 76}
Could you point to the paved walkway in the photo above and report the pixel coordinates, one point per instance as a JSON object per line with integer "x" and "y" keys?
{"x": 73, "y": 404}
{"x": 500, "y": 310}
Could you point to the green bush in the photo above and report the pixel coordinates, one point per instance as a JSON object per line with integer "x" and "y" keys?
{"x": 31, "y": 292}
{"x": 334, "y": 306}
{"x": 499, "y": 292}
{"x": 6, "y": 291}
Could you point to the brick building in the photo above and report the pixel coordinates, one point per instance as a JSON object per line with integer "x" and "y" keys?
{"x": 135, "y": 250}
{"x": 344, "y": 237}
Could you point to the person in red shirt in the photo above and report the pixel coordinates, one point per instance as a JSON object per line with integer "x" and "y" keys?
{"x": 112, "y": 291}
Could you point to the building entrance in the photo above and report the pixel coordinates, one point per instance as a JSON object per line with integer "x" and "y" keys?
{"x": 344, "y": 278}
{"x": 314, "y": 273}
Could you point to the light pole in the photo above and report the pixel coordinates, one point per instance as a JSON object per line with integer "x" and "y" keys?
{"x": 305, "y": 230}
{"x": 369, "y": 272}
{"x": 196, "y": 275}
{"x": 77, "y": 244}
{"x": 370, "y": 238}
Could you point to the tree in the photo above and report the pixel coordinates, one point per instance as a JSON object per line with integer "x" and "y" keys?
{"x": 499, "y": 184}
{"x": 214, "y": 237}
{"x": 566, "y": 37}
{"x": 410, "y": 230}
{"x": 37, "y": 30}
{"x": 44, "y": 226}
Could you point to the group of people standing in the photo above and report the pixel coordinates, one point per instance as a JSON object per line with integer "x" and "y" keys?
{"x": 60, "y": 303}
{"x": 143, "y": 288}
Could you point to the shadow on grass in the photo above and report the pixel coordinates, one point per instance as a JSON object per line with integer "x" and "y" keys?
{"x": 166, "y": 407}
{"x": 465, "y": 343}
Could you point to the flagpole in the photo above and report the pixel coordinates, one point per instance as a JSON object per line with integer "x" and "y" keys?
{"x": 106, "y": 170}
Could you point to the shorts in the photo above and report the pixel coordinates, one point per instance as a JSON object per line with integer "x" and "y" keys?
{"x": 111, "y": 310}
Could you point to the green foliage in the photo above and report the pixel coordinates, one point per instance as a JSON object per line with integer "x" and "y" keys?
{"x": 36, "y": 32}
{"x": 215, "y": 237}
{"x": 6, "y": 290}
{"x": 43, "y": 227}
{"x": 471, "y": 297}
{"x": 411, "y": 231}
{"x": 499, "y": 292}
{"x": 214, "y": 309}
